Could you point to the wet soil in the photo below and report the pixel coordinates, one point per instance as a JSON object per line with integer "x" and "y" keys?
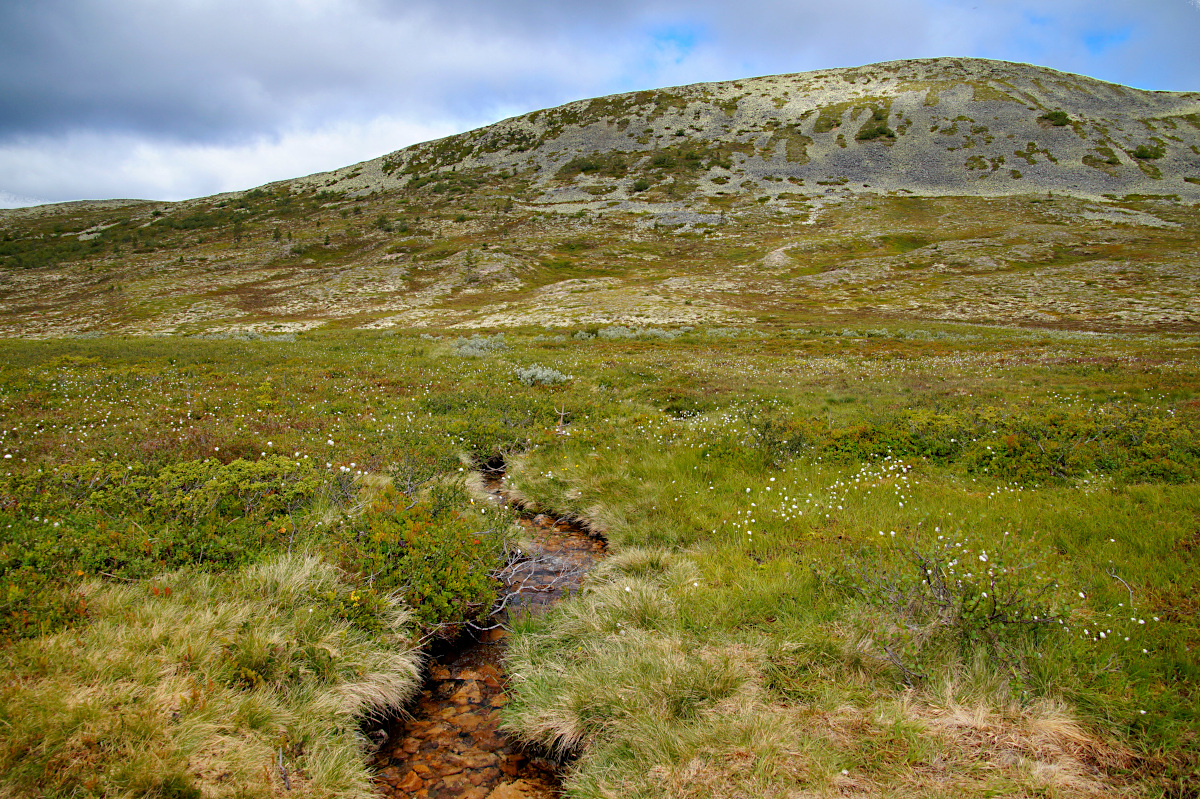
{"x": 450, "y": 744}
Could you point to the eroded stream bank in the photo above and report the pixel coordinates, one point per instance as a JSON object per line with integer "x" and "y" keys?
{"x": 452, "y": 746}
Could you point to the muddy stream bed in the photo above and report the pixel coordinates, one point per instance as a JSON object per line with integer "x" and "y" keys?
{"x": 449, "y": 744}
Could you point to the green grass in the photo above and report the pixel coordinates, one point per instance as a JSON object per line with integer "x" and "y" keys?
{"x": 757, "y": 630}
{"x": 774, "y": 577}
{"x": 769, "y": 581}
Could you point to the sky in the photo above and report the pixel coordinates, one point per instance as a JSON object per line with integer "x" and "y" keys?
{"x": 172, "y": 99}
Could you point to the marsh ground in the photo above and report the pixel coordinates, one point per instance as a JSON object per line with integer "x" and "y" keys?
{"x": 886, "y": 558}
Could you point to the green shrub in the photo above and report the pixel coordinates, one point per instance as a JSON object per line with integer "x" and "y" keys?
{"x": 1027, "y": 446}
{"x": 957, "y": 592}
{"x": 1148, "y": 153}
{"x": 128, "y": 521}
{"x": 440, "y": 561}
{"x": 1056, "y": 118}
{"x": 875, "y": 130}
{"x": 611, "y": 165}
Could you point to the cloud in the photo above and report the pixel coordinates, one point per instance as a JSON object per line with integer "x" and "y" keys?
{"x": 87, "y": 165}
{"x": 140, "y": 97}
{"x": 10, "y": 200}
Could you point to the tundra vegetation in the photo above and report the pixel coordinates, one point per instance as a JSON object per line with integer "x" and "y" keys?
{"x": 900, "y": 491}
{"x": 895, "y": 560}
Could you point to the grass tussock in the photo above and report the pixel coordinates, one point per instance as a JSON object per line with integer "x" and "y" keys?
{"x": 1044, "y": 743}
{"x": 194, "y": 685}
{"x": 656, "y": 707}
{"x": 623, "y": 631}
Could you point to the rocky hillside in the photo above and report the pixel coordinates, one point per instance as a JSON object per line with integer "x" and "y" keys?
{"x": 929, "y": 127}
{"x": 933, "y": 191}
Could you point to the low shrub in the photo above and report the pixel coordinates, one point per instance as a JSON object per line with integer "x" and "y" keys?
{"x": 127, "y": 521}
{"x": 1148, "y": 153}
{"x": 620, "y": 332}
{"x": 610, "y": 165}
{"x": 439, "y": 560}
{"x": 875, "y": 130}
{"x": 479, "y": 346}
{"x": 537, "y": 375}
{"x": 954, "y": 594}
{"x": 1027, "y": 446}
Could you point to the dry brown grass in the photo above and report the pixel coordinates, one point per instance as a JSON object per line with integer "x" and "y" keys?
{"x": 756, "y": 750}
{"x": 192, "y": 685}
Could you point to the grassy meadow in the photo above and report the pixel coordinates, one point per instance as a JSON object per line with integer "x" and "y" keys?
{"x": 891, "y": 561}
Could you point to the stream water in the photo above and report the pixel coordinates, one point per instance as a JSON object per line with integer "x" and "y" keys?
{"x": 450, "y": 744}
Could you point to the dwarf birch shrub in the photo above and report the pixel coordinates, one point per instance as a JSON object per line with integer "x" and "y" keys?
{"x": 1003, "y": 598}
{"x": 439, "y": 560}
{"x": 1052, "y": 443}
{"x": 130, "y": 521}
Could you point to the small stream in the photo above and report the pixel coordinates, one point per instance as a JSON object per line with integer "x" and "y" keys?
{"x": 450, "y": 745}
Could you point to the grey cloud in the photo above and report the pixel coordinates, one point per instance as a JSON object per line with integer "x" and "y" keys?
{"x": 235, "y": 73}
{"x": 218, "y": 70}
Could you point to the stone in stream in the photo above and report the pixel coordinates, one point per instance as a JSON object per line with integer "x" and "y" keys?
{"x": 518, "y": 790}
{"x": 490, "y": 676}
{"x": 467, "y": 694}
{"x": 411, "y": 783}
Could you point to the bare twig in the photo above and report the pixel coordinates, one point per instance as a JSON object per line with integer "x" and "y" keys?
{"x": 118, "y": 577}
{"x": 1113, "y": 574}
{"x": 287, "y": 783}
{"x": 910, "y": 677}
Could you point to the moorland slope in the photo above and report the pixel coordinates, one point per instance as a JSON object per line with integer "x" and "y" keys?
{"x": 947, "y": 189}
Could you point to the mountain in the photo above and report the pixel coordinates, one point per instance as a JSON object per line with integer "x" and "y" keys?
{"x": 931, "y": 127}
{"x": 933, "y": 190}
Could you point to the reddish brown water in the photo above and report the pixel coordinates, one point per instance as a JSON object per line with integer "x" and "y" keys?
{"x": 451, "y": 745}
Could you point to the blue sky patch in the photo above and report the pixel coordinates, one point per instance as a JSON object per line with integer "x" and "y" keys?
{"x": 681, "y": 39}
{"x": 1102, "y": 41}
